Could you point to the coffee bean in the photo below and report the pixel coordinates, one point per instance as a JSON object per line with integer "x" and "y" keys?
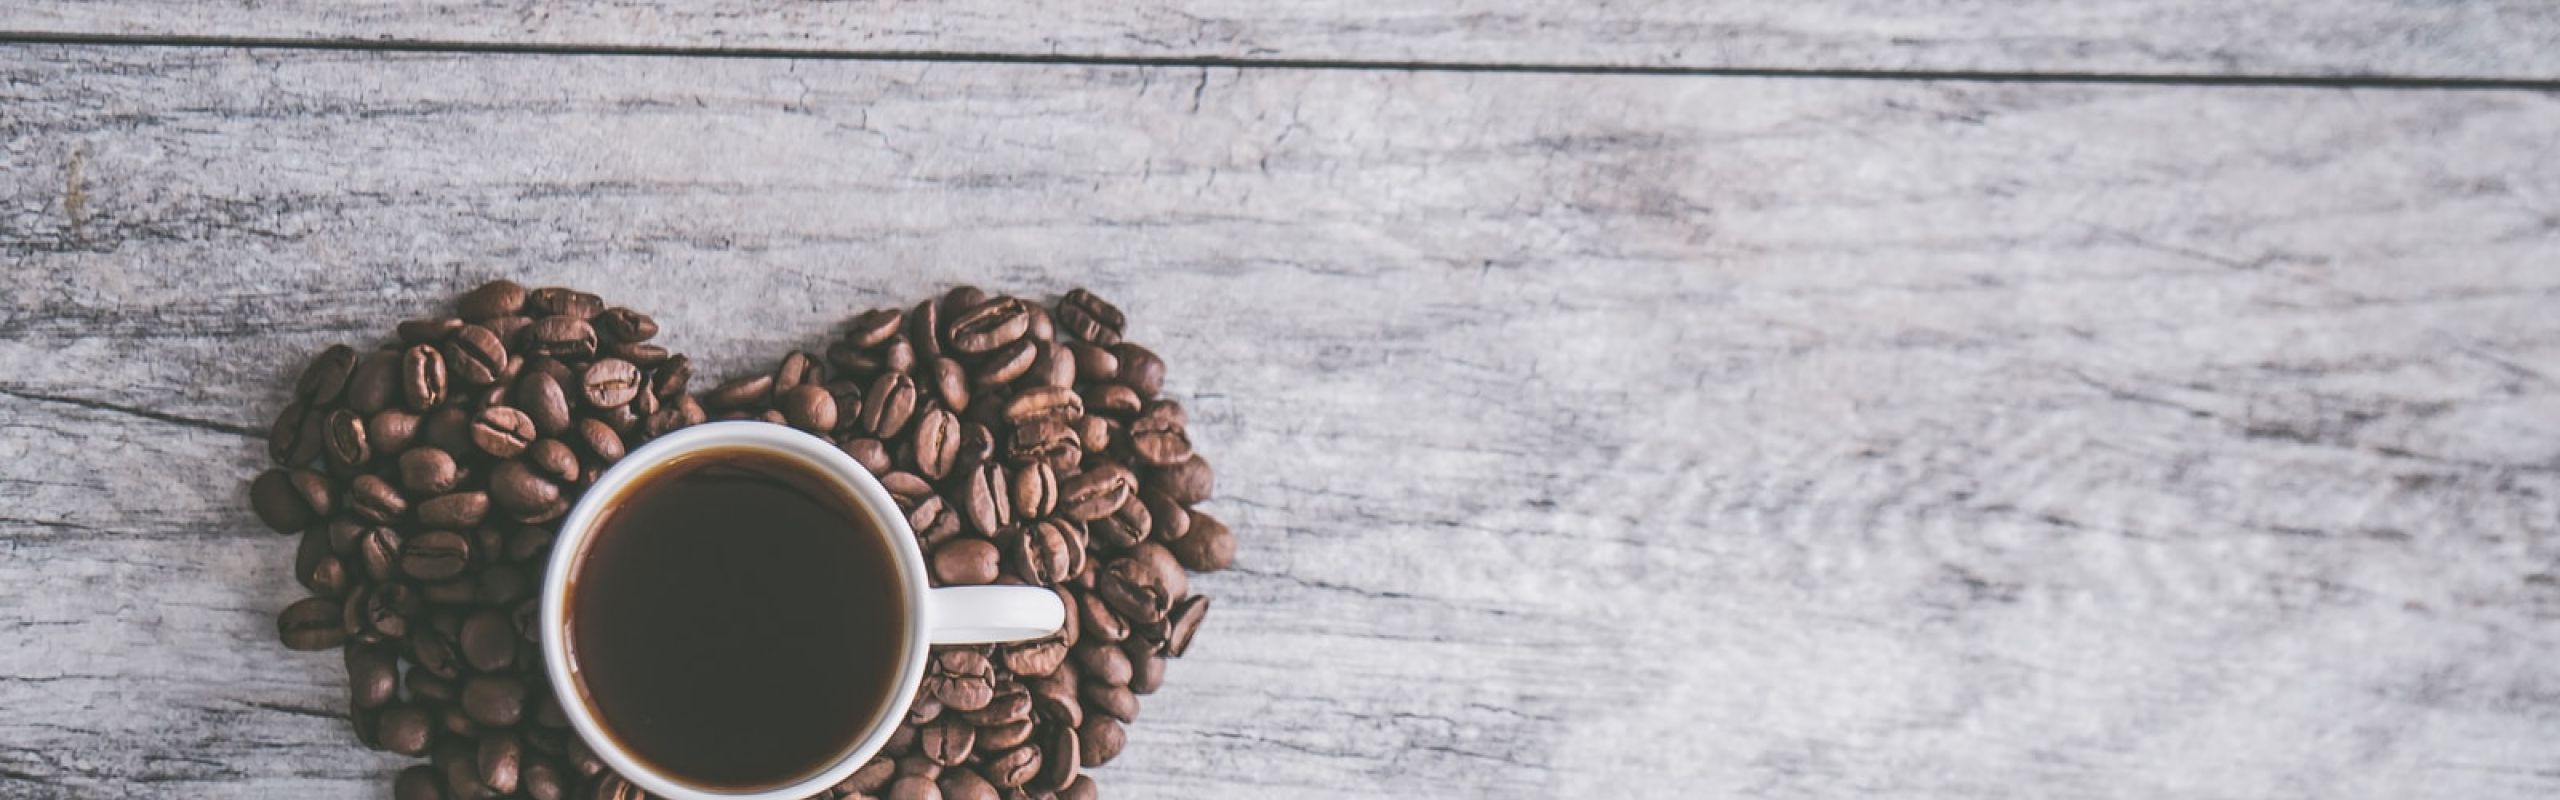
{"x": 379, "y": 612}
{"x": 562, "y": 336}
{"x": 798, "y": 368}
{"x": 915, "y": 787}
{"x": 809, "y": 407}
{"x": 871, "y": 328}
{"x": 888, "y": 404}
{"x": 429, "y": 471}
{"x": 1113, "y": 400}
{"x": 1047, "y": 363}
{"x": 1102, "y": 661}
{"x": 613, "y": 787}
{"x": 456, "y": 760}
{"x": 1097, "y": 433}
{"x": 426, "y": 331}
{"x": 1209, "y": 547}
{"x": 1110, "y": 700}
{"x": 750, "y": 391}
{"x": 1013, "y": 767}
{"x": 325, "y": 575}
{"x": 1035, "y": 658}
{"x": 432, "y": 653}
{"x": 404, "y": 729}
{"x": 311, "y": 623}
{"x": 1118, "y": 532}
{"x": 447, "y": 429}
{"x": 457, "y": 592}
{"x": 375, "y": 384}
{"x": 390, "y": 430}
{"x": 561, "y": 300}
{"x": 373, "y": 675}
{"x": 1044, "y": 402}
{"x": 510, "y": 330}
{"x": 501, "y": 432}
{"x": 965, "y": 561}
{"x": 1087, "y": 316}
{"x": 494, "y": 700}
{"x": 1033, "y": 490}
{"x": 278, "y": 502}
{"x": 870, "y": 453}
{"x": 456, "y": 510}
{"x": 285, "y": 437}
{"x": 422, "y": 378}
{"x": 1160, "y": 434}
{"x": 626, "y": 325}
{"x": 501, "y": 758}
{"x": 1082, "y": 788}
{"x": 1189, "y": 482}
{"x": 375, "y": 499}
{"x": 916, "y": 764}
{"x": 491, "y": 300}
{"x": 500, "y": 585}
{"x": 1047, "y": 553}
{"x": 544, "y": 779}
{"x": 1096, "y": 492}
{"x": 553, "y": 460}
{"x": 473, "y": 356}
{"x": 435, "y": 555}
{"x": 539, "y": 398}
{"x": 488, "y": 641}
{"x": 610, "y": 382}
{"x": 1098, "y": 621}
{"x": 583, "y": 761}
{"x": 1049, "y": 442}
{"x": 964, "y": 678}
{"x": 1140, "y": 369}
{"x": 948, "y": 742}
{"x": 1184, "y": 623}
{"x": 935, "y": 445}
{"x": 670, "y": 378}
{"x": 600, "y": 441}
{"x": 1010, "y": 362}
{"x": 906, "y": 485}
{"x": 986, "y": 499}
{"x": 1059, "y": 754}
{"x": 961, "y": 784}
{"x": 517, "y": 487}
{"x": 1170, "y": 521}
{"x": 344, "y": 440}
{"x": 1094, "y": 363}
{"x": 325, "y": 377}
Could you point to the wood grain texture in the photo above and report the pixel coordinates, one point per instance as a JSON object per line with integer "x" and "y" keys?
{"x": 2512, "y": 39}
{"x": 1588, "y": 436}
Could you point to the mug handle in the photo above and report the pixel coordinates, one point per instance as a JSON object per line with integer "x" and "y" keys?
{"x": 993, "y": 614}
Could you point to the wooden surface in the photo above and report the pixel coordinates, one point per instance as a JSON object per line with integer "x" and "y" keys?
{"x": 2502, "y": 39}
{"x": 1588, "y": 436}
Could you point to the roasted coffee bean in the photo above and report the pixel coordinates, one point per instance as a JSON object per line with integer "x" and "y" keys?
{"x": 456, "y": 510}
{"x": 1114, "y": 533}
{"x": 1089, "y": 317}
{"x": 417, "y": 783}
{"x": 539, "y": 396}
{"x": 1059, "y": 756}
{"x": 964, "y": 679}
{"x": 871, "y": 328}
{"x": 500, "y": 585}
{"x": 517, "y": 487}
{"x": 278, "y": 503}
{"x": 1097, "y": 433}
{"x": 926, "y": 517}
{"x": 918, "y": 765}
{"x": 422, "y": 378}
{"x": 934, "y": 448}
{"x": 1102, "y": 661}
{"x": 582, "y": 760}
{"x": 914, "y": 787}
{"x": 643, "y": 403}
{"x": 531, "y": 543}
{"x": 1082, "y": 788}
{"x": 949, "y": 382}
{"x": 809, "y": 407}
{"x": 626, "y": 325}
{"x": 688, "y": 410}
{"x": 906, "y": 485}
{"x": 311, "y": 623}
{"x": 550, "y": 300}
{"x": 404, "y": 729}
{"x": 494, "y": 700}
{"x": 1109, "y": 700}
{"x": 1053, "y": 695}
{"x": 874, "y": 775}
{"x": 498, "y": 298}
{"x": 428, "y": 331}
{"x": 456, "y": 760}
{"x": 1097, "y": 620}
{"x": 488, "y": 641}
{"x": 562, "y": 336}
{"x": 747, "y": 392}
{"x": 510, "y": 329}
{"x": 553, "y": 460}
{"x": 447, "y": 429}
{"x": 1160, "y": 434}
{"x": 961, "y": 784}
{"x": 1009, "y": 363}
{"x": 600, "y": 441}
{"x": 798, "y": 368}
{"x": 671, "y": 377}
{"x": 965, "y": 561}
{"x": 431, "y": 652}
{"x": 870, "y": 453}
{"x": 375, "y": 384}
{"x": 344, "y": 439}
{"x": 379, "y": 612}
{"x": 610, "y": 382}
{"x": 1189, "y": 483}
{"x": 1046, "y": 553}
{"x": 325, "y": 377}
{"x": 375, "y": 499}
{"x": 1050, "y": 363}
{"x": 888, "y": 404}
{"x": 1140, "y": 369}
{"x": 373, "y": 675}
{"x": 1183, "y": 623}
{"x": 390, "y": 430}
{"x": 1209, "y": 547}
{"x": 986, "y": 499}
{"x": 1034, "y": 490}
{"x": 446, "y": 593}
{"x": 501, "y": 760}
{"x": 1113, "y": 400}
{"x": 1169, "y": 520}
{"x": 1049, "y": 442}
{"x": 1013, "y": 767}
{"x": 473, "y": 356}
{"x": 923, "y": 709}
{"x": 1094, "y": 363}
{"x": 326, "y": 576}
{"x": 1044, "y": 402}
{"x": 1096, "y": 492}
{"x": 285, "y": 437}
{"x": 1146, "y": 667}
{"x": 544, "y": 780}
{"x": 1035, "y": 658}
{"x": 1143, "y": 586}
{"x": 502, "y": 432}
{"x": 378, "y": 552}
{"x": 428, "y": 471}
{"x": 613, "y": 787}
{"x": 948, "y": 741}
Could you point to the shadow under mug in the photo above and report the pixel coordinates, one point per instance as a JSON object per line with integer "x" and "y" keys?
{"x": 949, "y": 615}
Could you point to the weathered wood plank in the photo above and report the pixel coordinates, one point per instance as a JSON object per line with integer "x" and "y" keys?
{"x": 1591, "y": 436}
{"x": 2510, "y": 39}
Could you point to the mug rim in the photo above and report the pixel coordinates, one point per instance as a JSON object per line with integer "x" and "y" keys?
{"x": 578, "y": 528}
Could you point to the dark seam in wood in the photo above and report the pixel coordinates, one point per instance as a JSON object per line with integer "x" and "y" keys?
{"x": 145, "y": 413}
{"x": 2349, "y": 81}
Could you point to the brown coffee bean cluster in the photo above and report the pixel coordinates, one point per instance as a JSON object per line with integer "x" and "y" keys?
{"x": 427, "y": 479}
{"x": 1027, "y": 445}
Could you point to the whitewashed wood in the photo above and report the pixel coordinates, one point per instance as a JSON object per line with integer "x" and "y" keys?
{"x": 1589, "y": 436}
{"x": 2507, "y": 39}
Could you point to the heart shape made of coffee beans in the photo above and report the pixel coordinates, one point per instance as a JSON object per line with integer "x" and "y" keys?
{"x": 1027, "y": 444}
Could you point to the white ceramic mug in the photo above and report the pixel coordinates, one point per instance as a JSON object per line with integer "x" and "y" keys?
{"x": 950, "y": 615}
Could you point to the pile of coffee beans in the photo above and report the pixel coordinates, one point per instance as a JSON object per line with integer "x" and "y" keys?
{"x": 1027, "y": 445}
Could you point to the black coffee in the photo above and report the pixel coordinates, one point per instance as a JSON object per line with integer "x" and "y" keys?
{"x": 735, "y": 621}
